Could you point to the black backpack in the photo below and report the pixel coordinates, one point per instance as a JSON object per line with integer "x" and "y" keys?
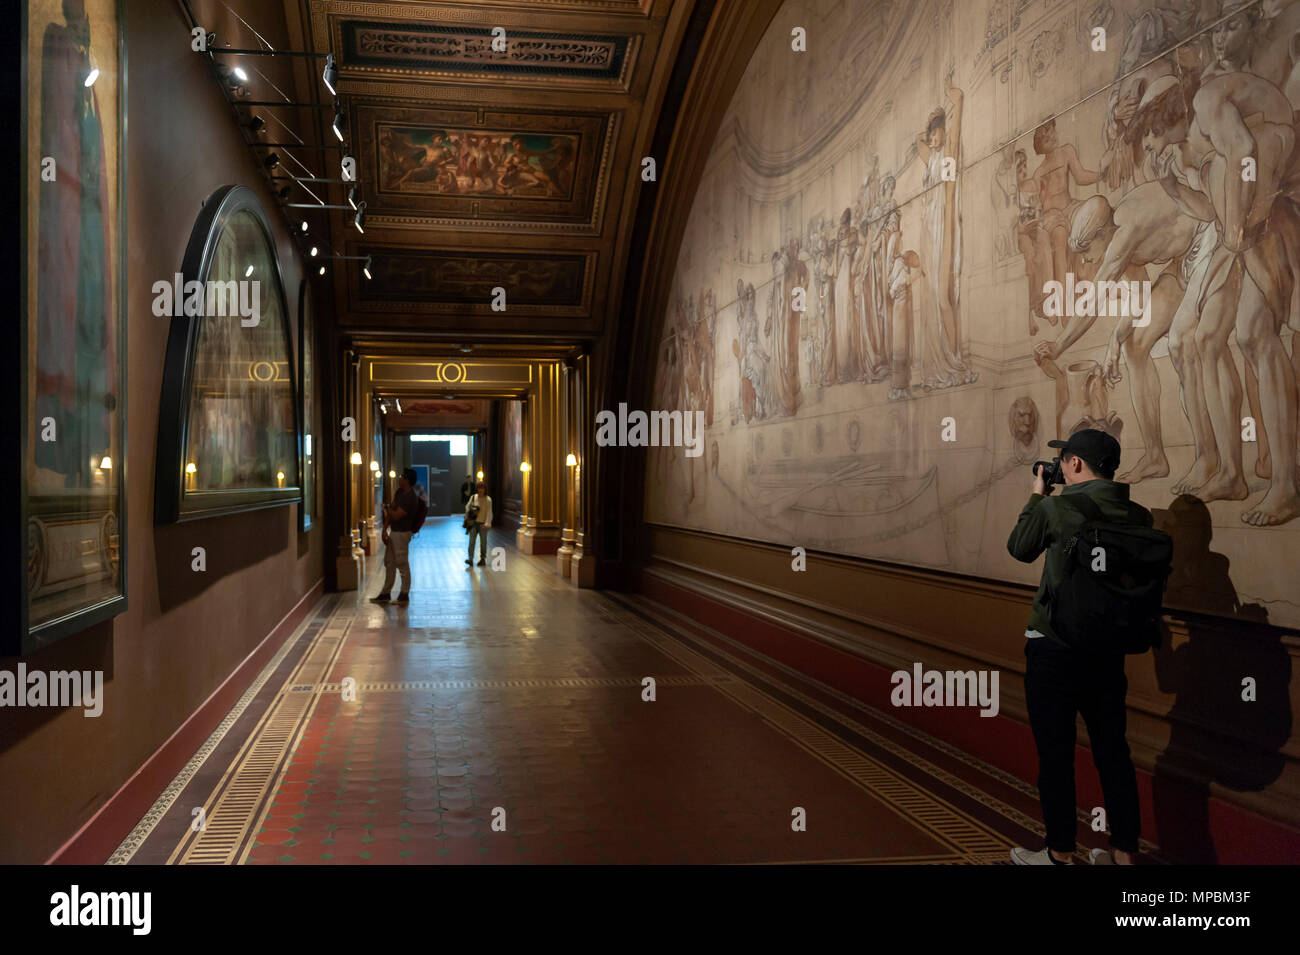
{"x": 1111, "y": 593}
{"x": 421, "y": 512}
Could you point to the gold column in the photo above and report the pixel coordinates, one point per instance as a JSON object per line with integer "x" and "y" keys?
{"x": 564, "y": 556}
{"x": 545, "y": 454}
{"x": 582, "y": 568}
{"x": 521, "y": 534}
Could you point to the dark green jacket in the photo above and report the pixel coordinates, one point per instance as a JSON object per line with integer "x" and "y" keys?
{"x": 1046, "y": 523}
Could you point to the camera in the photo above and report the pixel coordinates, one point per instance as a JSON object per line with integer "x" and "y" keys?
{"x": 1052, "y": 473}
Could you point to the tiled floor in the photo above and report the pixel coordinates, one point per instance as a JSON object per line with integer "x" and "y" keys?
{"x": 500, "y": 717}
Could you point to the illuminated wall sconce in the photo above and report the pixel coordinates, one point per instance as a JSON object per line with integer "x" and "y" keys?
{"x": 480, "y": 475}
{"x": 106, "y": 464}
{"x": 279, "y": 479}
{"x": 524, "y": 466}
{"x": 571, "y": 461}
{"x": 374, "y": 465}
{"x": 356, "y": 457}
{"x": 190, "y": 472}
{"x": 392, "y": 474}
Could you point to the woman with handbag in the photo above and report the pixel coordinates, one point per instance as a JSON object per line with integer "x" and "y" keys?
{"x": 478, "y": 518}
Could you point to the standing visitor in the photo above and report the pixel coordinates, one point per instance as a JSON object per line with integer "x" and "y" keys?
{"x": 399, "y": 522}
{"x": 478, "y": 518}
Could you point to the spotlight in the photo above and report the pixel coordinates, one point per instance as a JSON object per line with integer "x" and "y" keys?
{"x": 366, "y": 268}
{"x": 338, "y": 123}
{"x": 304, "y": 225}
{"x": 272, "y": 160}
{"x": 240, "y": 74}
{"x": 331, "y": 74}
{"x": 354, "y": 194}
{"x": 360, "y": 218}
{"x": 284, "y": 192}
{"x": 314, "y": 250}
{"x": 256, "y": 123}
{"x": 92, "y": 76}
{"x": 248, "y": 271}
{"x": 322, "y": 270}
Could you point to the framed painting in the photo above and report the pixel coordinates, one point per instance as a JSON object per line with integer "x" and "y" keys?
{"x": 72, "y": 343}
{"x": 229, "y": 429}
{"x": 306, "y": 354}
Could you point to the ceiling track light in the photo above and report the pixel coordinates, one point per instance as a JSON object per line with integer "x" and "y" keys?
{"x": 338, "y": 123}
{"x": 359, "y": 219}
{"x": 272, "y": 160}
{"x": 353, "y": 195}
{"x": 256, "y": 123}
{"x": 331, "y": 74}
{"x": 363, "y": 259}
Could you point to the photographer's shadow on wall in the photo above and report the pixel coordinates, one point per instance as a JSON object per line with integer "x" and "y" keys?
{"x": 1221, "y": 732}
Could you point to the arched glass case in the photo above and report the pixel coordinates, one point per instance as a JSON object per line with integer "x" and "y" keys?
{"x": 229, "y": 430}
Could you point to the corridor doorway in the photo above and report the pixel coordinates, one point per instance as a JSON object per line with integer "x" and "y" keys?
{"x": 444, "y": 460}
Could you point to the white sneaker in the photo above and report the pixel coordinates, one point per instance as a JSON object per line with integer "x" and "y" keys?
{"x": 1101, "y": 857}
{"x": 1042, "y": 857}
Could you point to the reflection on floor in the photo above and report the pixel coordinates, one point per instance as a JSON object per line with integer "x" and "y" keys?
{"x": 499, "y": 717}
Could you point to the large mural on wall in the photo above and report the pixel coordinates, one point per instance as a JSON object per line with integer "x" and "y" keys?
{"x": 884, "y": 298}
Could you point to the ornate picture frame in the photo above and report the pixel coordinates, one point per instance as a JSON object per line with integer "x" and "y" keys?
{"x": 72, "y": 463}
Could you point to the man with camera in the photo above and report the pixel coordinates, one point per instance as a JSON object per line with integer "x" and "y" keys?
{"x": 1074, "y": 661}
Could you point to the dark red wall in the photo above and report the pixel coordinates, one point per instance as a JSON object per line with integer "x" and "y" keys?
{"x": 184, "y": 633}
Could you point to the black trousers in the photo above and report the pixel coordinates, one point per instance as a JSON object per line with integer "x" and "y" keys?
{"x": 1059, "y": 683}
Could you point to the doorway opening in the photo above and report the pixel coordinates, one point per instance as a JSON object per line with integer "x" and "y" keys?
{"x": 442, "y": 462}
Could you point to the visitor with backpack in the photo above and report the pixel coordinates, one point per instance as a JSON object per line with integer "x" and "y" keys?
{"x": 478, "y": 518}
{"x": 402, "y": 519}
{"x": 1099, "y": 598}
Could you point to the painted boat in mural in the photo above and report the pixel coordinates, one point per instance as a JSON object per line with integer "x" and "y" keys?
{"x": 857, "y": 490}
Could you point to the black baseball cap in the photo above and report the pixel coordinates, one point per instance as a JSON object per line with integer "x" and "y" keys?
{"x": 1098, "y": 448}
